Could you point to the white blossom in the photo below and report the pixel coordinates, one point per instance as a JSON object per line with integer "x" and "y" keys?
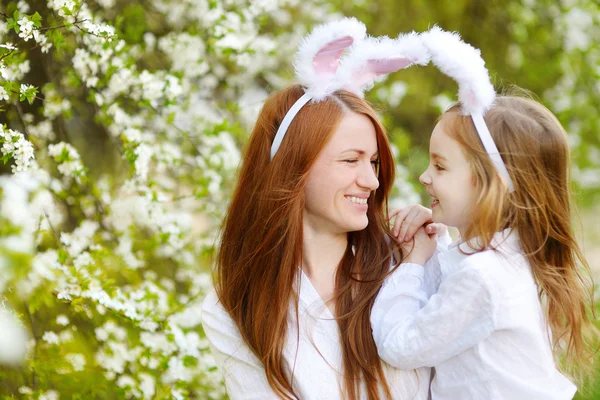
{"x": 147, "y": 385}
{"x": 25, "y": 390}
{"x": 77, "y": 361}
{"x": 13, "y": 339}
{"x": 71, "y": 167}
{"x": 62, "y": 320}
{"x": 80, "y": 238}
{"x": 49, "y": 395}
{"x": 50, "y": 337}
{"x": 26, "y": 28}
{"x": 20, "y": 149}
{"x": 142, "y": 162}
{"x": 3, "y": 28}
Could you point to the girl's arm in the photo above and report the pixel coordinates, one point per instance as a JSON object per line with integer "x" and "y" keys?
{"x": 243, "y": 373}
{"x": 410, "y": 334}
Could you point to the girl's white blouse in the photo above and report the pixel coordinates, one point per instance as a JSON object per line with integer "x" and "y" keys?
{"x": 313, "y": 353}
{"x": 484, "y": 331}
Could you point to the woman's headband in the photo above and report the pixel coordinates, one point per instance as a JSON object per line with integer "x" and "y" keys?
{"x": 321, "y": 69}
{"x": 463, "y": 63}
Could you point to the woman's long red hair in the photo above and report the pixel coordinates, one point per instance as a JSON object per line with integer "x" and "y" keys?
{"x": 261, "y": 243}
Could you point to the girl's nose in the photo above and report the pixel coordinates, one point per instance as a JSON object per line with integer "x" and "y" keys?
{"x": 425, "y": 179}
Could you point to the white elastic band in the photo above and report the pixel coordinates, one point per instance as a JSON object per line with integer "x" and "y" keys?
{"x": 492, "y": 150}
{"x": 287, "y": 120}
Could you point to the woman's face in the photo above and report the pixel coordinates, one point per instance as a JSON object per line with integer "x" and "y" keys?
{"x": 342, "y": 178}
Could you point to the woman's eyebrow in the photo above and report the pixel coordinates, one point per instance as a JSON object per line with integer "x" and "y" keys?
{"x": 359, "y": 151}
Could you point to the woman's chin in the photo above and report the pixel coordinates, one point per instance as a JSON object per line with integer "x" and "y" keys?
{"x": 358, "y": 225}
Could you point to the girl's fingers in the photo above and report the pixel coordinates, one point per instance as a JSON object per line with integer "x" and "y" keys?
{"x": 400, "y": 218}
{"x": 418, "y": 218}
{"x": 407, "y": 230}
{"x": 408, "y": 220}
{"x": 436, "y": 228}
{"x": 423, "y": 217}
{"x": 395, "y": 211}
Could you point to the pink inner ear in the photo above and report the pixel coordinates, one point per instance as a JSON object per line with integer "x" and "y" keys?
{"x": 374, "y": 68}
{"x": 471, "y": 99}
{"x": 326, "y": 60}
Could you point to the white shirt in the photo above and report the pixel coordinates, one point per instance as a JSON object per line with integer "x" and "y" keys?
{"x": 317, "y": 354}
{"x": 484, "y": 331}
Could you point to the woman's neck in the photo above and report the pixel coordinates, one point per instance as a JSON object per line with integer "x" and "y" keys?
{"x": 321, "y": 256}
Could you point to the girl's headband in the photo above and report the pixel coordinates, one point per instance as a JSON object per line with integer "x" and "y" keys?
{"x": 321, "y": 69}
{"x": 463, "y": 63}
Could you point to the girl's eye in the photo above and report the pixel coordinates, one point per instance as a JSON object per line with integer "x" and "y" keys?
{"x": 353, "y": 161}
{"x": 438, "y": 167}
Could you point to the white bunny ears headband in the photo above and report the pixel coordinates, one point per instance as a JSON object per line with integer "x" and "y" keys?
{"x": 322, "y": 70}
{"x": 463, "y": 63}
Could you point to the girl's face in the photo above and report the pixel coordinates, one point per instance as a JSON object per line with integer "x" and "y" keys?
{"x": 449, "y": 180}
{"x": 342, "y": 178}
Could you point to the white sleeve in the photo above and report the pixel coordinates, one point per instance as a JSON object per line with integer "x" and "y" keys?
{"x": 433, "y": 275}
{"x": 243, "y": 373}
{"x": 433, "y": 270}
{"x": 459, "y": 316}
{"x": 443, "y": 241}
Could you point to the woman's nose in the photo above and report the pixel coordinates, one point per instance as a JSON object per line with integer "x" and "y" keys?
{"x": 368, "y": 178}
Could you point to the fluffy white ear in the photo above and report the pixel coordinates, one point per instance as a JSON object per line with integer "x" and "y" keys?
{"x": 375, "y": 57}
{"x": 318, "y": 57}
{"x": 463, "y": 63}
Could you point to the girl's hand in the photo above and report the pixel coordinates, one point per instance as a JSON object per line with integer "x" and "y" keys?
{"x": 421, "y": 249}
{"x": 410, "y": 219}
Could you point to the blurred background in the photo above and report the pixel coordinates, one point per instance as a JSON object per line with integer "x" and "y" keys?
{"x": 122, "y": 128}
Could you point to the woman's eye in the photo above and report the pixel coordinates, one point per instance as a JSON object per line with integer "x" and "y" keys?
{"x": 353, "y": 161}
{"x": 438, "y": 167}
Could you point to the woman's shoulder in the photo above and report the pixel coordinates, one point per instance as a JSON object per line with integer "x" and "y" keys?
{"x": 211, "y": 303}
{"x": 214, "y": 315}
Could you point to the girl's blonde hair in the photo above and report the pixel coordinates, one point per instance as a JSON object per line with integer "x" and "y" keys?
{"x": 534, "y": 148}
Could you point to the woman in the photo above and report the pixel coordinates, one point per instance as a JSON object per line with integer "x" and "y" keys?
{"x": 306, "y": 245}
{"x": 305, "y": 249}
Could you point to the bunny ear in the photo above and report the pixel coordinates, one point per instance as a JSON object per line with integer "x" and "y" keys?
{"x": 377, "y": 67}
{"x": 375, "y": 57}
{"x": 319, "y": 53}
{"x": 463, "y": 63}
{"x": 326, "y": 61}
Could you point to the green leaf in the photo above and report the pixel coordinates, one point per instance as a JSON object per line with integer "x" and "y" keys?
{"x": 6, "y": 157}
{"x": 11, "y": 24}
{"x": 190, "y": 361}
{"x": 37, "y": 19}
{"x": 63, "y": 256}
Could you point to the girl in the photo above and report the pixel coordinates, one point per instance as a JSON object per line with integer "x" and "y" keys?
{"x": 305, "y": 245}
{"x": 487, "y": 332}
